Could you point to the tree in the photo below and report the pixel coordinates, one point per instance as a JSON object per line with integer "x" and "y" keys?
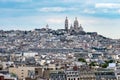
{"x": 13, "y": 75}
{"x": 109, "y": 61}
{"x": 81, "y": 60}
{"x": 104, "y": 65}
{"x": 92, "y": 64}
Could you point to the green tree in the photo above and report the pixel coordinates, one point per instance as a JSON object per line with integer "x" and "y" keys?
{"x": 110, "y": 61}
{"x": 81, "y": 60}
{"x": 13, "y": 75}
{"x": 104, "y": 65}
{"x": 92, "y": 64}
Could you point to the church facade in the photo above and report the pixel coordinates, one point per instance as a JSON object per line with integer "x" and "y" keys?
{"x": 76, "y": 27}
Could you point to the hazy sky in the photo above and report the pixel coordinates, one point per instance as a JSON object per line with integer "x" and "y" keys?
{"x": 102, "y": 16}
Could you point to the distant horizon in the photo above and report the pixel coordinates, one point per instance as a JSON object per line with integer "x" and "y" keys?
{"x": 101, "y": 16}
{"x": 54, "y": 29}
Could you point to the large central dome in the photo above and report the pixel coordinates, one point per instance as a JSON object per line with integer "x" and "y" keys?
{"x": 76, "y": 23}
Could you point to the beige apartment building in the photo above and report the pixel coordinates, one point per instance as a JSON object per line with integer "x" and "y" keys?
{"x": 22, "y": 72}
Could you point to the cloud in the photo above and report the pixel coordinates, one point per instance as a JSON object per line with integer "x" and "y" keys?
{"x": 118, "y": 11}
{"x": 15, "y": 0}
{"x": 107, "y": 5}
{"x": 56, "y": 9}
{"x": 73, "y": 1}
{"x": 88, "y": 11}
{"x": 55, "y": 20}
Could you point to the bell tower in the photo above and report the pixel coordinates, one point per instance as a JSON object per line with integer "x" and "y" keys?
{"x": 66, "y": 24}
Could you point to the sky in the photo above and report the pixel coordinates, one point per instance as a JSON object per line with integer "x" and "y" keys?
{"x": 102, "y": 16}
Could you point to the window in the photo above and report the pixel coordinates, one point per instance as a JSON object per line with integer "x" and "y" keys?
{"x": 36, "y": 72}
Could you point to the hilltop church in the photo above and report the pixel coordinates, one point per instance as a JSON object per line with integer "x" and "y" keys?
{"x": 75, "y": 27}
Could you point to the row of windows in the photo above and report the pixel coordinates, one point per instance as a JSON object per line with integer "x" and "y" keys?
{"x": 73, "y": 79}
{"x": 58, "y": 76}
{"x": 72, "y": 72}
{"x": 72, "y": 75}
{"x": 81, "y": 79}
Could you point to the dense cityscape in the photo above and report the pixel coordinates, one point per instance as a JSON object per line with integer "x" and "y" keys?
{"x": 63, "y": 54}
